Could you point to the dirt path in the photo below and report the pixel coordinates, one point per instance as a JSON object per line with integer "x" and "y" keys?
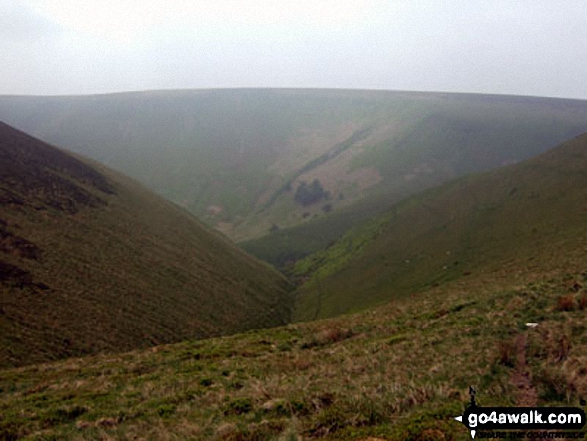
{"x": 526, "y": 395}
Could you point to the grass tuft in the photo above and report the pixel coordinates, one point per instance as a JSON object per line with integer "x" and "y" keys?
{"x": 566, "y": 303}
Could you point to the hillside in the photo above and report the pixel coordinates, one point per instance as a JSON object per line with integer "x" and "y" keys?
{"x": 502, "y": 249}
{"x": 399, "y": 372}
{"x": 530, "y": 213}
{"x": 90, "y": 261}
{"x": 245, "y": 160}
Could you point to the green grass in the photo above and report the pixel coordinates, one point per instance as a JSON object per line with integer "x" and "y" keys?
{"x": 531, "y": 211}
{"x": 332, "y": 259}
{"x": 401, "y": 371}
{"x": 284, "y": 247}
{"x": 459, "y": 270}
{"x": 398, "y": 371}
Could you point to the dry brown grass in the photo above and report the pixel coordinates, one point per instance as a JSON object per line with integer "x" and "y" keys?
{"x": 567, "y": 303}
{"x": 331, "y": 335}
{"x": 507, "y": 353}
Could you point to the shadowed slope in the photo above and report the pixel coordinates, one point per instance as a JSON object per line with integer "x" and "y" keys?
{"x": 91, "y": 261}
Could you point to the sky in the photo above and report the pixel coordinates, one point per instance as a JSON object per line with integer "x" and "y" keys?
{"x": 521, "y": 47}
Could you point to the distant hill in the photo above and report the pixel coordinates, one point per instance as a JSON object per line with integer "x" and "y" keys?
{"x": 91, "y": 261}
{"x": 532, "y": 214}
{"x": 237, "y": 158}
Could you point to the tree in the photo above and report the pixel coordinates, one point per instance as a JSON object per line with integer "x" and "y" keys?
{"x": 310, "y": 194}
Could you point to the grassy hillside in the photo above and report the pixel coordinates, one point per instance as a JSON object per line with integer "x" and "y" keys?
{"x": 284, "y": 247}
{"x": 399, "y": 372}
{"x": 465, "y": 265}
{"x": 236, "y": 158}
{"x": 532, "y": 211}
{"x": 91, "y": 261}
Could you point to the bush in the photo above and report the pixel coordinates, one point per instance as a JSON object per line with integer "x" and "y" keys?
{"x": 165, "y": 410}
{"x": 310, "y": 194}
{"x": 239, "y": 406}
{"x": 327, "y": 336}
{"x": 206, "y": 382}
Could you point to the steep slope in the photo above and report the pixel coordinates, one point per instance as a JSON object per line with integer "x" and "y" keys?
{"x": 533, "y": 211}
{"x": 91, "y": 261}
{"x": 237, "y": 158}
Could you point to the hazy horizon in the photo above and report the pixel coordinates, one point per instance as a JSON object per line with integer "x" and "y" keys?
{"x": 203, "y": 89}
{"x": 65, "y": 47}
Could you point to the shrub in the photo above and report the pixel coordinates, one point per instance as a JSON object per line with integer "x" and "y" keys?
{"x": 310, "y": 194}
{"x": 327, "y": 336}
{"x": 165, "y": 410}
{"x": 206, "y": 382}
{"x": 239, "y": 406}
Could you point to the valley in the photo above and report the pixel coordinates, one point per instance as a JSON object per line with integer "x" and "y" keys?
{"x": 293, "y": 221}
{"x": 235, "y": 158}
{"x": 415, "y": 234}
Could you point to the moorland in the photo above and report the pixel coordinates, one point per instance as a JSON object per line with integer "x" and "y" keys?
{"x": 288, "y": 264}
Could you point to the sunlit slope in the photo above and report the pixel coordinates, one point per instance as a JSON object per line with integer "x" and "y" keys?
{"x": 285, "y": 246}
{"x": 237, "y": 158}
{"x": 92, "y": 261}
{"x": 534, "y": 211}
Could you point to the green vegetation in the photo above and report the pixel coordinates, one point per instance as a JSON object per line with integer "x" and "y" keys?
{"x": 474, "y": 224}
{"x": 315, "y": 163}
{"x": 90, "y": 261}
{"x": 397, "y": 372}
{"x": 284, "y": 246}
{"x": 456, "y": 271}
{"x": 328, "y": 261}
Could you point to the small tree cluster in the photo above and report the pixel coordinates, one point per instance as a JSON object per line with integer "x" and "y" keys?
{"x": 310, "y": 194}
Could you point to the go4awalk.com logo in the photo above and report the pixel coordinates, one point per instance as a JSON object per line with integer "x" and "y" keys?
{"x": 528, "y": 422}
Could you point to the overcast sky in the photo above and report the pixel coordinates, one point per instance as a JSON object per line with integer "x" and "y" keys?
{"x": 524, "y": 47}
